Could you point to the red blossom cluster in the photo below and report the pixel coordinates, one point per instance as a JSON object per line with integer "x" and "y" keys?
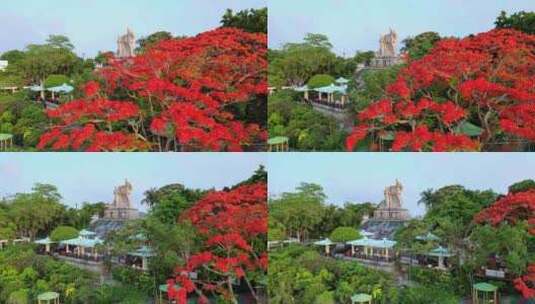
{"x": 80, "y": 125}
{"x": 230, "y": 221}
{"x": 178, "y": 94}
{"x": 486, "y": 79}
{"x": 512, "y": 208}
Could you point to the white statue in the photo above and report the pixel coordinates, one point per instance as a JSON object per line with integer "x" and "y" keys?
{"x": 393, "y": 195}
{"x": 122, "y": 195}
{"x": 126, "y": 44}
{"x": 387, "y": 44}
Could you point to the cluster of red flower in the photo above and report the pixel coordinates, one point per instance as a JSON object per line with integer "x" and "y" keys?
{"x": 178, "y": 92}
{"x": 486, "y": 79}
{"x": 230, "y": 221}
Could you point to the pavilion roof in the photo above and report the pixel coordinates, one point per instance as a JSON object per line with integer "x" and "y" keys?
{"x": 440, "y": 251}
{"x": 302, "y": 88}
{"x": 85, "y": 232}
{"x": 332, "y": 89}
{"x": 83, "y": 242}
{"x": 47, "y": 296}
{"x": 361, "y": 297}
{"x": 342, "y": 80}
{"x": 143, "y": 251}
{"x": 36, "y": 88}
{"x": 65, "y": 88}
{"x": 427, "y": 237}
{"x": 325, "y": 242}
{"x": 366, "y": 242}
{"x": 483, "y": 286}
{"x": 468, "y": 128}
{"x": 5, "y": 136}
{"x": 45, "y": 241}
{"x": 277, "y": 140}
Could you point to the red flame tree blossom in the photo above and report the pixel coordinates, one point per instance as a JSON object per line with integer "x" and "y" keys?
{"x": 177, "y": 95}
{"x": 512, "y": 208}
{"x": 232, "y": 223}
{"x": 487, "y": 79}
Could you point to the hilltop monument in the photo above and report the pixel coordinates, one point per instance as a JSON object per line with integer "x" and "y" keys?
{"x": 386, "y": 55}
{"x": 126, "y": 44}
{"x": 121, "y": 207}
{"x": 117, "y": 213}
{"x": 389, "y": 215}
{"x": 391, "y": 209}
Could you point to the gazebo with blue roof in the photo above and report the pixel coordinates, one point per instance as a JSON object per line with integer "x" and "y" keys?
{"x": 327, "y": 243}
{"x": 46, "y": 242}
{"x": 144, "y": 252}
{"x": 374, "y": 248}
{"x": 86, "y": 240}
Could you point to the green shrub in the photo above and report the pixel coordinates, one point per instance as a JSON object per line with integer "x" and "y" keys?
{"x": 344, "y": 234}
{"x": 320, "y": 80}
{"x": 522, "y": 186}
{"x": 56, "y": 80}
{"x": 62, "y": 233}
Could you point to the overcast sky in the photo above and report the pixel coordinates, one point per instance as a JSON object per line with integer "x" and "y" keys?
{"x": 92, "y": 177}
{"x": 362, "y": 177}
{"x": 356, "y": 24}
{"x": 94, "y": 25}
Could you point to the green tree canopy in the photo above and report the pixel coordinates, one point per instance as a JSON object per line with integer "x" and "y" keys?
{"x": 56, "y": 80}
{"x": 299, "y": 212}
{"x": 344, "y": 234}
{"x": 522, "y": 21}
{"x": 320, "y": 80}
{"x": 12, "y": 56}
{"x": 146, "y": 42}
{"x": 419, "y": 45}
{"x": 36, "y": 211}
{"x": 62, "y": 233}
{"x": 251, "y": 20}
{"x": 60, "y": 41}
{"x": 297, "y": 62}
{"x": 505, "y": 242}
{"x": 43, "y": 60}
{"x": 522, "y": 186}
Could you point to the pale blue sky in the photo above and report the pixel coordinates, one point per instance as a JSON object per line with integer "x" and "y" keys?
{"x": 356, "y": 24}
{"x": 361, "y": 177}
{"x": 94, "y": 25}
{"x": 92, "y": 176}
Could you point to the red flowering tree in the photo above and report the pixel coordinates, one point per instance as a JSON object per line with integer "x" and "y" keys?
{"x": 487, "y": 80}
{"x": 514, "y": 207}
{"x": 181, "y": 94}
{"x": 234, "y": 226}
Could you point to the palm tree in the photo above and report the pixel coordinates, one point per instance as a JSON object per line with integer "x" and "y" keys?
{"x": 427, "y": 198}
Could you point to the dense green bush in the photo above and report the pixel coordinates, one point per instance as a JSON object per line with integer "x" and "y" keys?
{"x": 135, "y": 278}
{"x": 62, "y": 233}
{"x": 56, "y": 80}
{"x": 344, "y": 234}
{"x": 320, "y": 80}
{"x": 522, "y": 186}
